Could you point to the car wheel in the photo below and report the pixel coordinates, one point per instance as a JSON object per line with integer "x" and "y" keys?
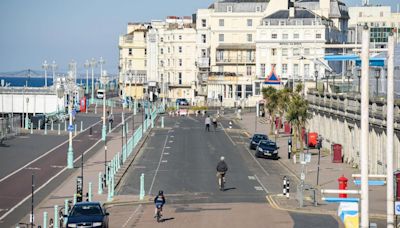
{"x": 256, "y": 154}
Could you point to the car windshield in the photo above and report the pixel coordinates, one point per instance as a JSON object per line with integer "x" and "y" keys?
{"x": 259, "y": 137}
{"x": 86, "y": 210}
{"x": 265, "y": 144}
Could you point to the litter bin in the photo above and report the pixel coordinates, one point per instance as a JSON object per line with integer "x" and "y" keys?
{"x": 337, "y": 153}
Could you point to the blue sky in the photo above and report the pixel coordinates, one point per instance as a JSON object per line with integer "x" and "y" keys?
{"x": 36, "y": 30}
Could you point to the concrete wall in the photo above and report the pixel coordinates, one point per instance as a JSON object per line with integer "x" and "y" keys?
{"x": 337, "y": 119}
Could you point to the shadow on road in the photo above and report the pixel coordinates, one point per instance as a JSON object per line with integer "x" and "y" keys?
{"x": 228, "y": 189}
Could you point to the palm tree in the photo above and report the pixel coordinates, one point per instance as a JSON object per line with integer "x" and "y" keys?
{"x": 283, "y": 101}
{"x": 297, "y": 114}
{"x": 271, "y": 97}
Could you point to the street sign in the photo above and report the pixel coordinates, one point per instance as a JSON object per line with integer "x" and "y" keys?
{"x": 397, "y": 208}
{"x": 73, "y": 113}
{"x": 302, "y": 176}
{"x": 70, "y": 128}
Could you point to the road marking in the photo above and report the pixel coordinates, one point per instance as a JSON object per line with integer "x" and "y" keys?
{"x": 172, "y": 136}
{"x": 40, "y": 157}
{"x": 259, "y": 188}
{"x": 130, "y": 217}
{"x": 265, "y": 189}
{"x": 164, "y": 161}
{"x": 251, "y": 177}
{"x": 167, "y": 147}
{"x": 228, "y": 135}
{"x": 166, "y": 153}
{"x": 259, "y": 164}
{"x": 57, "y": 166}
{"x": 159, "y": 163}
{"x": 170, "y": 141}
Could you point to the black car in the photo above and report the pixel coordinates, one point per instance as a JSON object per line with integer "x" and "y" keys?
{"x": 88, "y": 214}
{"x": 267, "y": 149}
{"x": 182, "y": 101}
{"x": 256, "y": 139}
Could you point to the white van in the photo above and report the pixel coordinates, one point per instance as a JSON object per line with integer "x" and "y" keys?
{"x": 100, "y": 93}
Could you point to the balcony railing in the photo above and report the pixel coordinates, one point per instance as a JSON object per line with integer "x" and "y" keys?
{"x": 235, "y": 61}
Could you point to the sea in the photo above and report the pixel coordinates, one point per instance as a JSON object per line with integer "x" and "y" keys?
{"x": 34, "y": 81}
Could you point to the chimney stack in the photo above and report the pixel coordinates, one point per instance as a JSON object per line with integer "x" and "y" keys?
{"x": 291, "y": 8}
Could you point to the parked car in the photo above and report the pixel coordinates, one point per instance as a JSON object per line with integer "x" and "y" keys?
{"x": 267, "y": 149}
{"x": 182, "y": 101}
{"x": 87, "y": 214}
{"x": 100, "y": 93}
{"x": 256, "y": 139}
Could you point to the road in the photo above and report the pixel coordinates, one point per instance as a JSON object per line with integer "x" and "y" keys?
{"x": 181, "y": 159}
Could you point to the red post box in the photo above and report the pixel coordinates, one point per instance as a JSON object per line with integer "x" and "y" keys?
{"x": 342, "y": 186}
{"x": 397, "y": 185}
{"x": 83, "y": 104}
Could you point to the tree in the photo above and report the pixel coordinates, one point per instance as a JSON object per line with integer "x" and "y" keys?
{"x": 270, "y": 95}
{"x": 283, "y": 101}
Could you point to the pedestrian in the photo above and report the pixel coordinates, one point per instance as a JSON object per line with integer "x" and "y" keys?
{"x": 207, "y": 122}
{"x": 110, "y": 118}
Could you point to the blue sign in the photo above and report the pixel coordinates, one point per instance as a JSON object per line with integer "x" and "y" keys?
{"x": 70, "y": 128}
{"x": 73, "y": 113}
{"x": 397, "y": 208}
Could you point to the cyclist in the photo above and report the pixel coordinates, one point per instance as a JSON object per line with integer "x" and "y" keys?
{"x": 159, "y": 201}
{"x": 207, "y": 122}
{"x": 222, "y": 168}
{"x": 214, "y": 120}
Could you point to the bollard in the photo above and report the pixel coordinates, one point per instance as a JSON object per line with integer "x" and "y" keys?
{"x": 39, "y": 126}
{"x": 286, "y": 187}
{"x": 152, "y": 123}
{"x": 75, "y": 129}
{"x": 74, "y": 198}
{"x": 230, "y": 124}
{"x": 90, "y": 131}
{"x": 162, "y": 122}
{"x": 109, "y": 127}
{"x": 31, "y": 128}
{"x": 112, "y": 186}
{"x": 45, "y": 219}
{"x": 65, "y": 125}
{"x": 141, "y": 186}
{"x": 81, "y": 126}
{"x": 55, "y": 216}
{"x": 100, "y": 183}
{"x": 90, "y": 191}
{"x": 289, "y": 147}
{"x": 52, "y": 125}
{"x": 58, "y": 129}
{"x": 109, "y": 194}
{"x": 127, "y": 127}
{"x": 45, "y": 128}
{"x": 95, "y": 109}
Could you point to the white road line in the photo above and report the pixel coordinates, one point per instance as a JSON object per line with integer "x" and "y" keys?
{"x": 130, "y": 217}
{"x": 251, "y": 177}
{"x": 164, "y": 161}
{"x": 258, "y": 188}
{"x": 158, "y": 167}
{"x": 265, "y": 189}
{"x": 41, "y": 156}
{"x": 166, "y": 153}
{"x": 228, "y": 135}
{"x": 43, "y": 185}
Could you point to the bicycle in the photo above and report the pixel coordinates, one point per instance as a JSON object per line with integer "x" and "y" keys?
{"x": 215, "y": 125}
{"x": 221, "y": 180}
{"x": 159, "y": 214}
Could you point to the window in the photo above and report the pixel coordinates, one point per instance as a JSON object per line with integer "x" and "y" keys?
{"x": 239, "y": 90}
{"x": 162, "y": 39}
{"x": 221, "y": 22}
{"x": 250, "y": 55}
{"x": 248, "y": 70}
{"x": 273, "y": 51}
{"x": 180, "y": 62}
{"x": 180, "y": 37}
{"x": 306, "y": 70}
{"x": 130, "y": 51}
{"x": 284, "y": 52}
{"x": 249, "y": 37}
{"x": 162, "y": 51}
{"x": 306, "y": 51}
{"x": 220, "y": 55}
{"x": 285, "y": 36}
{"x": 274, "y": 36}
{"x": 229, "y": 8}
{"x": 221, "y": 37}
{"x": 180, "y": 49}
{"x": 145, "y": 62}
{"x": 169, "y": 62}
{"x": 169, "y": 50}
{"x": 258, "y": 8}
{"x": 249, "y": 90}
{"x": 296, "y": 69}
{"x": 145, "y": 51}
{"x": 203, "y": 38}
{"x": 249, "y": 22}
{"x": 318, "y": 36}
{"x": 257, "y": 88}
{"x": 296, "y": 36}
{"x": 162, "y": 63}
{"x": 180, "y": 78}
{"x": 281, "y": 23}
{"x": 203, "y": 23}
{"x": 284, "y": 68}
{"x": 262, "y": 68}
{"x": 203, "y": 53}
{"x": 220, "y": 69}
{"x": 296, "y": 51}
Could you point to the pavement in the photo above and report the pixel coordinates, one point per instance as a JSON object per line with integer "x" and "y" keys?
{"x": 328, "y": 175}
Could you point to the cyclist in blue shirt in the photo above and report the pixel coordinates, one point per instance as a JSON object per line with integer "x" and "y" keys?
{"x": 159, "y": 201}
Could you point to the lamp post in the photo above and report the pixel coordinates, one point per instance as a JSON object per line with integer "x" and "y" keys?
{"x": 27, "y": 113}
{"x": 130, "y": 79}
{"x": 348, "y": 76}
{"x": 72, "y": 67}
{"x": 87, "y": 66}
{"x": 93, "y": 64}
{"x": 60, "y": 94}
{"x": 104, "y": 80}
{"x": 327, "y": 75}
{"x": 53, "y": 68}
{"x": 70, "y": 88}
{"x": 316, "y": 79}
{"x": 101, "y": 62}
{"x": 45, "y": 66}
{"x": 377, "y": 76}
{"x": 359, "y": 78}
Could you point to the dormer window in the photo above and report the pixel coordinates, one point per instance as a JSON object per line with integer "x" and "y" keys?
{"x": 229, "y": 8}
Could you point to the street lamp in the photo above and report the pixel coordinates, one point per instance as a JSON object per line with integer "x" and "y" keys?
{"x": 101, "y": 62}
{"x": 27, "y": 113}
{"x": 104, "y": 80}
{"x": 377, "y": 76}
{"x": 70, "y": 88}
{"x": 316, "y": 79}
{"x": 45, "y": 66}
{"x": 53, "y": 68}
{"x": 359, "y": 78}
{"x": 348, "y": 76}
{"x": 72, "y": 67}
{"x": 60, "y": 94}
{"x": 87, "y": 66}
{"x": 93, "y": 64}
{"x": 327, "y": 75}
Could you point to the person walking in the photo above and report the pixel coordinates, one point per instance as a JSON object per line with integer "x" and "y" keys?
{"x": 110, "y": 118}
{"x": 207, "y": 122}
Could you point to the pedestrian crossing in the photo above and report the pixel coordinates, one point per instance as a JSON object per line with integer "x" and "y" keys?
{"x": 263, "y": 120}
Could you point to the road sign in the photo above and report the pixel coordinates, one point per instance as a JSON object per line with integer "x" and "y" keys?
{"x": 73, "y": 113}
{"x": 397, "y": 208}
{"x": 70, "y": 128}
